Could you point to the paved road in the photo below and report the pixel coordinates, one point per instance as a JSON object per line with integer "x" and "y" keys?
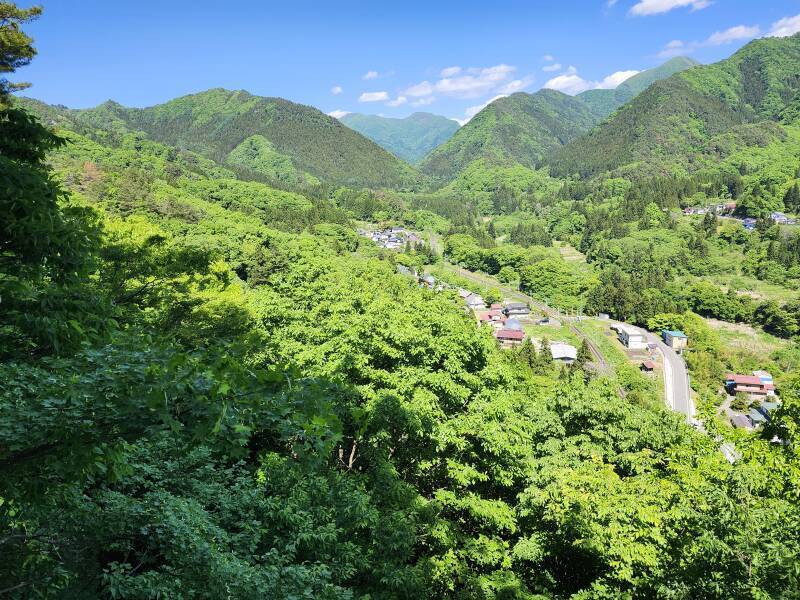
{"x": 676, "y": 377}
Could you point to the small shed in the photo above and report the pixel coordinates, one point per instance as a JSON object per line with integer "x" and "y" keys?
{"x": 647, "y": 366}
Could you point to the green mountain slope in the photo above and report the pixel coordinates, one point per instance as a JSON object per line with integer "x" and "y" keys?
{"x": 604, "y": 102}
{"x": 521, "y": 128}
{"x": 410, "y": 138}
{"x": 668, "y": 128}
{"x": 278, "y": 138}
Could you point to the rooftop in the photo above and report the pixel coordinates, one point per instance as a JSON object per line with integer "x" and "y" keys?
{"x": 509, "y": 334}
{"x": 674, "y": 333}
{"x": 560, "y": 350}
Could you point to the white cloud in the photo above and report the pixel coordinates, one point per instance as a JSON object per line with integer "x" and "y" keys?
{"x": 373, "y": 97}
{"x": 571, "y": 83}
{"x": 424, "y": 101}
{"x": 474, "y": 110}
{"x": 785, "y": 27}
{"x": 548, "y": 58}
{"x": 421, "y": 89}
{"x": 654, "y": 7}
{"x": 674, "y": 48}
{"x": 515, "y": 85}
{"x": 732, "y": 34}
{"x": 336, "y": 90}
{"x": 613, "y": 80}
{"x": 338, "y": 114}
{"x": 397, "y": 101}
{"x": 370, "y": 75}
{"x": 718, "y": 38}
{"x": 450, "y": 71}
{"x": 473, "y": 83}
{"x": 551, "y": 68}
{"x": 610, "y": 3}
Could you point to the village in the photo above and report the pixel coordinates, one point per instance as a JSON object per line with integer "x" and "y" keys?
{"x": 391, "y": 238}
{"x": 749, "y": 400}
{"x": 726, "y": 210}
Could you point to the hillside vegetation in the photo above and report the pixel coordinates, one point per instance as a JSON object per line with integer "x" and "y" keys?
{"x": 604, "y": 102}
{"x": 668, "y": 127}
{"x": 410, "y": 138}
{"x": 213, "y": 387}
{"x": 521, "y": 128}
{"x": 275, "y": 137}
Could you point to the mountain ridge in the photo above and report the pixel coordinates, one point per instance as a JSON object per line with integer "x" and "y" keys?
{"x": 410, "y": 138}
{"x": 282, "y": 139}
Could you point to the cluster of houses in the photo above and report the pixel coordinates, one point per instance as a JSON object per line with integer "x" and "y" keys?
{"x": 782, "y": 219}
{"x": 392, "y": 238}
{"x": 760, "y": 388}
{"x": 723, "y": 208}
{"x": 727, "y": 209}
{"x": 507, "y": 321}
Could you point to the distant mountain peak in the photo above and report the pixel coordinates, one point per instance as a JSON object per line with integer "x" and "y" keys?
{"x": 409, "y": 138}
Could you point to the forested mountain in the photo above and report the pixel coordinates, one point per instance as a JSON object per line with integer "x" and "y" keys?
{"x": 604, "y": 102}
{"x": 216, "y": 388}
{"x": 675, "y": 125}
{"x": 525, "y": 129}
{"x": 410, "y": 138}
{"x": 280, "y": 139}
{"x": 521, "y": 128}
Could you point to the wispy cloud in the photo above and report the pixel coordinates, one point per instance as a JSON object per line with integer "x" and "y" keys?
{"x": 450, "y": 71}
{"x": 548, "y": 58}
{"x": 551, "y": 68}
{"x": 336, "y": 90}
{"x": 338, "y": 114}
{"x": 399, "y": 101}
{"x": 732, "y": 34}
{"x": 718, "y": 38}
{"x": 370, "y": 75}
{"x": 571, "y": 83}
{"x": 516, "y": 85}
{"x": 655, "y": 7}
{"x": 472, "y": 83}
{"x": 373, "y": 97}
{"x": 785, "y": 27}
{"x": 424, "y": 101}
{"x": 611, "y": 81}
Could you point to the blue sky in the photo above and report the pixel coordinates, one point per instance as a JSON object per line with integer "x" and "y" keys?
{"x": 386, "y": 58}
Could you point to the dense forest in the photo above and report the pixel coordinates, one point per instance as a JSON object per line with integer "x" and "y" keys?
{"x": 213, "y": 387}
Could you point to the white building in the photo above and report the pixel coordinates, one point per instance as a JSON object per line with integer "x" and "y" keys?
{"x": 630, "y": 336}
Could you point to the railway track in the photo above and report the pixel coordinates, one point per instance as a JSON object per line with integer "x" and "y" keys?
{"x": 600, "y": 361}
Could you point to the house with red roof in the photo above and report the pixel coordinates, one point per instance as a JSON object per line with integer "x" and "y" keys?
{"x": 509, "y": 337}
{"x": 753, "y": 385}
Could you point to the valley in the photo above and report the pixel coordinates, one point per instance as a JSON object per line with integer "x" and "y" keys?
{"x": 253, "y": 350}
